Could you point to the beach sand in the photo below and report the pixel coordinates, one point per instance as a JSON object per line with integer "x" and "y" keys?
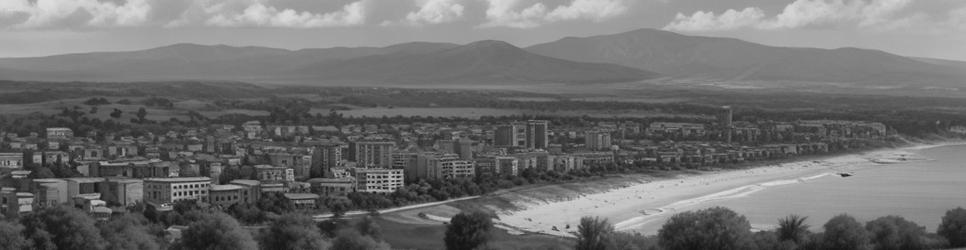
{"x": 643, "y": 207}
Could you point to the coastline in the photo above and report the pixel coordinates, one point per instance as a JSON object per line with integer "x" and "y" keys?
{"x": 641, "y": 205}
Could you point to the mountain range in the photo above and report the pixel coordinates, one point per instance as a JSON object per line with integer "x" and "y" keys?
{"x": 625, "y": 57}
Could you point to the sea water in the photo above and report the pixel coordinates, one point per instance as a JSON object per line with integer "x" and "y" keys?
{"x": 921, "y": 191}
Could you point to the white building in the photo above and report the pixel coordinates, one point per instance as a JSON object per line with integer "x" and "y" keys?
{"x": 378, "y": 180}
{"x": 169, "y": 190}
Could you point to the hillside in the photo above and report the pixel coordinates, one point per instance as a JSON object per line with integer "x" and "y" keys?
{"x": 732, "y": 59}
{"x": 479, "y": 62}
{"x": 417, "y": 62}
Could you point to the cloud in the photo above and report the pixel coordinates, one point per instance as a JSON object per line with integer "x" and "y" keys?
{"x": 597, "y": 10}
{"x": 261, "y": 15}
{"x": 505, "y": 13}
{"x": 52, "y": 13}
{"x": 33, "y": 14}
{"x": 436, "y": 12}
{"x": 708, "y": 21}
{"x": 798, "y": 14}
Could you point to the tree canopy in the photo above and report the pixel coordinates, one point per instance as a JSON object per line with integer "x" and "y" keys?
{"x": 217, "y": 231}
{"x": 953, "y": 227}
{"x": 714, "y": 228}
{"x": 468, "y": 230}
{"x": 292, "y": 232}
{"x": 592, "y": 233}
{"x": 845, "y": 233}
{"x": 62, "y": 227}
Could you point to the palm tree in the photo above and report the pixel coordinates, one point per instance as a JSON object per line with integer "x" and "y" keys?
{"x": 792, "y": 228}
{"x": 592, "y": 233}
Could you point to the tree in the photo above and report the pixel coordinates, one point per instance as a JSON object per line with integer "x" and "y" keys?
{"x": 11, "y": 234}
{"x": 592, "y": 233}
{"x": 142, "y": 113}
{"x": 293, "y": 231}
{"x": 792, "y": 228}
{"x": 368, "y": 227}
{"x": 713, "y": 228}
{"x": 953, "y": 227}
{"x": 845, "y": 233}
{"x": 128, "y": 232}
{"x": 895, "y": 233}
{"x": 116, "y": 113}
{"x": 62, "y": 227}
{"x": 352, "y": 240}
{"x": 468, "y": 230}
{"x": 217, "y": 231}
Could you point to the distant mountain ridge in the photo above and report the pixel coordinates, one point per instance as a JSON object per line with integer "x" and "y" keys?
{"x": 626, "y": 57}
{"x": 680, "y": 55}
{"x": 408, "y": 63}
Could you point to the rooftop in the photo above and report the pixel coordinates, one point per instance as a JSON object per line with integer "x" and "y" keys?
{"x": 179, "y": 179}
{"x": 301, "y": 196}
{"x": 227, "y": 187}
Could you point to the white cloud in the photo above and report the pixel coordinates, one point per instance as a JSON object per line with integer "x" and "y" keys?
{"x": 597, "y": 10}
{"x": 707, "y": 21}
{"x": 504, "y": 13}
{"x": 51, "y": 13}
{"x": 436, "y": 12}
{"x": 31, "y": 14}
{"x": 261, "y": 15}
{"x": 799, "y": 14}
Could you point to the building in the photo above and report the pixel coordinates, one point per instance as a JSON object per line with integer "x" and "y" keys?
{"x": 434, "y": 166}
{"x": 50, "y": 192}
{"x": 510, "y": 135}
{"x": 13, "y": 160}
{"x": 83, "y": 186}
{"x": 225, "y": 196}
{"x": 333, "y": 186}
{"x": 324, "y": 157}
{"x": 169, "y": 190}
{"x": 59, "y": 133}
{"x": 302, "y": 200}
{"x": 405, "y": 160}
{"x": 253, "y": 129}
{"x": 13, "y": 204}
{"x": 725, "y": 120}
{"x": 372, "y": 154}
{"x": 497, "y": 166}
{"x": 538, "y": 134}
{"x": 136, "y": 168}
{"x": 597, "y": 140}
{"x": 269, "y": 173}
{"x": 122, "y": 191}
{"x": 252, "y": 190}
{"x": 464, "y": 148}
{"x": 300, "y": 163}
{"x": 374, "y": 180}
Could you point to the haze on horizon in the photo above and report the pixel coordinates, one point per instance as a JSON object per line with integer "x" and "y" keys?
{"x": 934, "y": 28}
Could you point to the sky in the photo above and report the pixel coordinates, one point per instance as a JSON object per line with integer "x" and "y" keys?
{"x": 922, "y": 28}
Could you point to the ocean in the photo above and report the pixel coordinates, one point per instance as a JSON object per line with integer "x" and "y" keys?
{"x": 921, "y": 191}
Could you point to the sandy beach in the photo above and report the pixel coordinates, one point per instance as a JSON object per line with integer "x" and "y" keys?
{"x": 643, "y": 207}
